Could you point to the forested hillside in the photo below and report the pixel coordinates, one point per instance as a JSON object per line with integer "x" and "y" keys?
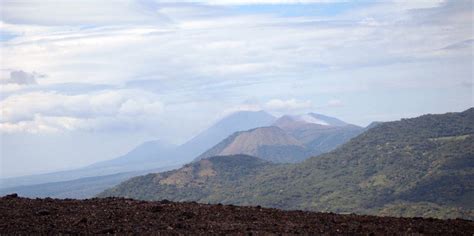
{"x": 413, "y": 167}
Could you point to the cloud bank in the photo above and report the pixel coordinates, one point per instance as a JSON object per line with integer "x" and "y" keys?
{"x": 52, "y": 112}
{"x": 134, "y": 59}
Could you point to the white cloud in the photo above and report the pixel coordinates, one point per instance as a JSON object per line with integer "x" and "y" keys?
{"x": 57, "y": 12}
{"x": 241, "y": 107}
{"x": 287, "y": 105}
{"x": 49, "y": 111}
{"x": 276, "y": 106}
{"x": 200, "y": 53}
{"x": 217, "y": 44}
{"x": 41, "y": 124}
{"x": 335, "y": 103}
{"x": 260, "y": 2}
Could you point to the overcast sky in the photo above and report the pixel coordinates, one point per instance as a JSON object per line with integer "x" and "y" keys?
{"x": 83, "y": 81}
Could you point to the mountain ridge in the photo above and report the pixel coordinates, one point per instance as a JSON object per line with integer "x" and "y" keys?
{"x": 385, "y": 171}
{"x": 164, "y": 156}
{"x": 269, "y": 143}
{"x": 238, "y": 121}
{"x": 318, "y": 137}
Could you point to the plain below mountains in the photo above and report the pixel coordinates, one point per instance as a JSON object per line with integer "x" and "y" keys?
{"x": 413, "y": 167}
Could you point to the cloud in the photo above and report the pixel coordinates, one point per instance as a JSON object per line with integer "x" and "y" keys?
{"x": 22, "y": 78}
{"x": 41, "y": 124}
{"x": 51, "y": 111}
{"x": 282, "y": 106}
{"x": 277, "y": 106}
{"x": 216, "y": 43}
{"x": 261, "y": 2}
{"x": 211, "y": 53}
{"x": 335, "y": 103}
{"x": 287, "y": 105}
{"x": 241, "y": 107}
{"x": 89, "y": 12}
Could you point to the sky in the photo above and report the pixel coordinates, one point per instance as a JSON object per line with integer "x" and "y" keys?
{"x": 84, "y": 81}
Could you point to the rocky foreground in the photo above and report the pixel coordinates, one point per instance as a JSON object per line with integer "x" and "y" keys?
{"x": 118, "y": 215}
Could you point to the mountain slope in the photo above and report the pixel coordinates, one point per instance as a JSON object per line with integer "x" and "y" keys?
{"x": 321, "y": 135}
{"x": 80, "y": 188}
{"x": 198, "y": 181}
{"x": 413, "y": 167}
{"x": 269, "y": 143}
{"x": 239, "y": 121}
{"x": 153, "y": 154}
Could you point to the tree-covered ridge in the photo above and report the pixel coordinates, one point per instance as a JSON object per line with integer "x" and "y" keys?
{"x": 426, "y": 126}
{"x": 196, "y": 181}
{"x": 414, "y": 167}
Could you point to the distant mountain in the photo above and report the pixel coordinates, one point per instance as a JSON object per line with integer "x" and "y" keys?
{"x": 239, "y": 121}
{"x": 291, "y": 139}
{"x": 413, "y": 167}
{"x": 81, "y": 188}
{"x": 153, "y": 154}
{"x": 269, "y": 143}
{"x": 318, "y": 132}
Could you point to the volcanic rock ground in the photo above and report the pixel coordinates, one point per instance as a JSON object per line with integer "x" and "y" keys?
{"x": 118, "y": 215}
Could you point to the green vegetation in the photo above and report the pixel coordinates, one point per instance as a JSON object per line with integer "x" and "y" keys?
{"x": 193, "y": 182}
{"x": 414, "y": 167}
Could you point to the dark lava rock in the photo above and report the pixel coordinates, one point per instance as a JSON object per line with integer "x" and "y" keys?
{"x": 106, "y": 231}
{"x": 83, "y": 220}
{"x": 165, "y": 201}
{"x": 10, "y": 196}
{"x": 43, "y": 212}
{"x": 125, "y": 216}
{"x": 187, "y": 215}
{"x": 156, "y": 208}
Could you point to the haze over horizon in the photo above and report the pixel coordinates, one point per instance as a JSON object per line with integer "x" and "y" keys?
{"x": 87, "y": 81}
